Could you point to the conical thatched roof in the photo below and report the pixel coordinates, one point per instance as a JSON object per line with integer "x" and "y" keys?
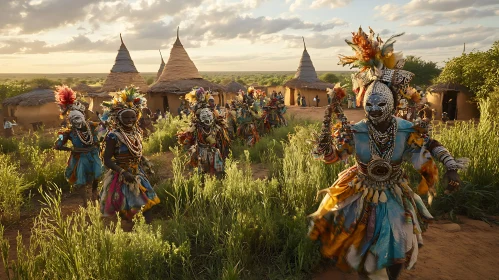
{"x": 180, "y": 74}
{"x": 161, "y": 66}
{"x": 235, "y": 87}
{"x": 305, "y": 76}
{"x": 35, "y": 97}
{"x": 123, "y": 73}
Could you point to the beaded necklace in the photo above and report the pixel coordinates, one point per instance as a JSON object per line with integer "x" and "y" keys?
{"x": 382, "y": 144}
{"x": 85, "y": 136}
{"x": 132, "y": 140}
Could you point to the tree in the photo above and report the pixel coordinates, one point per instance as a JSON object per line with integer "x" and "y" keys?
{"x": 425, "y": 71}
{"x": 478, "y": 71}
{"x": 330, "y": 78}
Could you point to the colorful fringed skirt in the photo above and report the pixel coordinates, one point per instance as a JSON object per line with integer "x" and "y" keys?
{"x": 83, "y": 168}
{"x": 367, "y": 226}
{"x": 126, "y": 198}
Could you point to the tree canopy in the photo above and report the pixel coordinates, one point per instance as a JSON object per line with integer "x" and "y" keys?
{"x": 425, "y": 71}
{"x": 330, "y": 78}
{"x": 478, "y": 71}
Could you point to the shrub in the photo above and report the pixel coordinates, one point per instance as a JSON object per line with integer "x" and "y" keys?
{"x": 165, "y": 135}
{"x": 80, "y": 246}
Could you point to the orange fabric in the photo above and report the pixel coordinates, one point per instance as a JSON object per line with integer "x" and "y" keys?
{"x": 338, "y": 192}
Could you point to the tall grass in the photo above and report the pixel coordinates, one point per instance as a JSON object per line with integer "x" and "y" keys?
{"x": 42, "y": 166}
{"x": 12, "y": 186}
{"x": 269, "y": 143}
{"x": 480, "y": 143}
{"x": 25, "y": 164}
{"x": 80, "y": 246}
{"x": 165, "y": 135}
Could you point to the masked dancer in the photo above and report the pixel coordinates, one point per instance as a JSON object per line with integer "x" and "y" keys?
{"x": 126, "y": 188}
{"x": 84, "y": 165}
{"x": 206, "y": 139}
{"x": 370, "y": 219}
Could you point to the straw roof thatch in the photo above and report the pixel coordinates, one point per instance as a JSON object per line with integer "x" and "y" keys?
{"x": 305, "y": 76}
{"x": 180, "y": 74}
{"x": 443, "y": 87}
{"x": 161, "y": 66}
{"x": 33, "y": 98}
{"x": 235, "y": 87}
{"x": 84, "y": 88}
{"x": 123, "y": 73}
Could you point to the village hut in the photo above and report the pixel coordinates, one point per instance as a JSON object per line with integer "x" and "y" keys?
{"x": 96, "y": 99}
{"x": 179, "y": 76}
{"x": 161, "y": 66}
{"x": 454, "y": 99}
{"x": 33, "y": 109}
{"x": 124, "y": 73}
{"x": 306, "y": 83}
{"x": 232, "y": 88}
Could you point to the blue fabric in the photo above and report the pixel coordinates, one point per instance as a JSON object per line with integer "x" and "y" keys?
{"x": 361, "y": 138}
{"x": 87, "y": 166}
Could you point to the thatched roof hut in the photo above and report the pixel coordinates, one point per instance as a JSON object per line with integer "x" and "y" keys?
{"x": 179, "y": 76}
{"x": 161, "y": 66}
{"x": 35, "y": 97}
{"x": 31, "y": 108}
{"x": 234, "y": 87}
{"x": 306, "y": 82}
{"x": 123, "y": 73}
{"x": 454, "y": 99}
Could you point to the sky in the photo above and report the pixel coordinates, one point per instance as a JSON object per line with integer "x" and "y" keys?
{"x": 82, "y": 36}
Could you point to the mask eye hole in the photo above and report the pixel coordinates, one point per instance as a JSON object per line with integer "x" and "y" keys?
{"x": 369, "y": 104}
{"x": 382, "y": 104}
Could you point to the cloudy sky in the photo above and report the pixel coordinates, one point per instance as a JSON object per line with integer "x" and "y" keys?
{"x": 82, "y": 36}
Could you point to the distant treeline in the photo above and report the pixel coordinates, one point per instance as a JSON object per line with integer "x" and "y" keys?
{"x": 15, "y": 84}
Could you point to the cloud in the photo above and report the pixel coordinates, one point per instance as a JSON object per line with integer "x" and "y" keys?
{"x": 329, "y": 3}
{"x": 447, "y": 5}
{"x": 438, "y": 12}
{"x": 450, "y": 37}
{"x": 34, "y": 17}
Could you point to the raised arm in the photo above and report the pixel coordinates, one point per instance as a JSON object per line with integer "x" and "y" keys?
{"x": 336, "y": 143}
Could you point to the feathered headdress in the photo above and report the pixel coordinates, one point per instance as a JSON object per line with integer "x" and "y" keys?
{"x": 66, "y": 99}
{"x": 377, "y": 62}
{"x": 129, "y": 98}
{"x": 371, "y": 52}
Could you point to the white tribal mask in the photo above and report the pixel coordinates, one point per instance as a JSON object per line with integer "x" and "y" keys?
{"x": 379, "y": 97}
{"x": 206, "y": 116}
{"x": 76, "y": 118}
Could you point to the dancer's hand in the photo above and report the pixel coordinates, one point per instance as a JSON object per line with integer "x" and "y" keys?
{"x": 453, "y": 181}
{"x": 128, "y": 177}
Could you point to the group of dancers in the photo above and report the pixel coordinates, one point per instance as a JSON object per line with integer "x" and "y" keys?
{"x": 115, "y": 142}
{"x": 370, "y": 218}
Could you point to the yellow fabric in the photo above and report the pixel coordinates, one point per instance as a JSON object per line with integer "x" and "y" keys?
{"x": 338, "y": 192}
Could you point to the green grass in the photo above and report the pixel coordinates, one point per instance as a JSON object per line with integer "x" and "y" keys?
{"x": 13, "y": 184}
{"x": 237, "y": 227}
{"x": 165, "y": 135}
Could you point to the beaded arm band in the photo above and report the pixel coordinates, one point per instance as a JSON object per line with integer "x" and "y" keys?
{"x": 443, "y": 155}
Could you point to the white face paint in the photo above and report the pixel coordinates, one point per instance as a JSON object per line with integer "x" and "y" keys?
{"x": 77, "y": 119}
{"x": 206, "y": 116}
{"x": 378, "y": 103}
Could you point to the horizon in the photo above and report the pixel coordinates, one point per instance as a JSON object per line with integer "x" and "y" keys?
{"x": 229, "y": 35}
